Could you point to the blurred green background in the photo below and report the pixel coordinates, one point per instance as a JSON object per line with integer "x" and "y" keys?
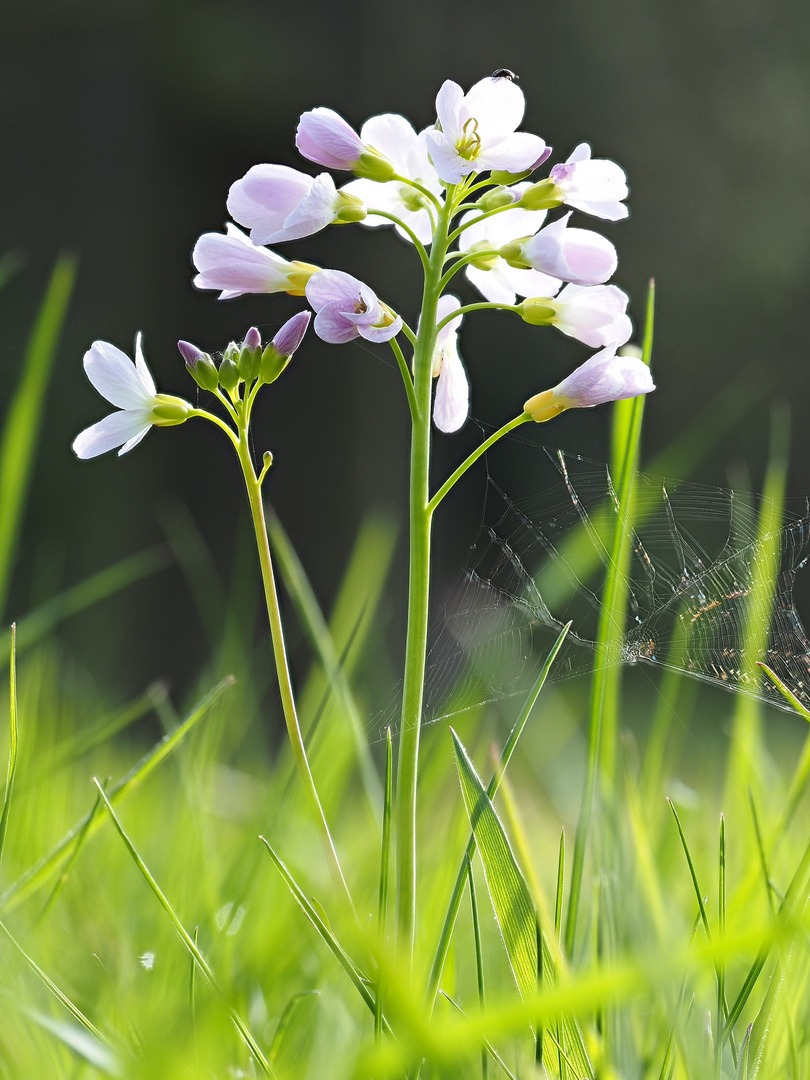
{"x": 122, "y": 126}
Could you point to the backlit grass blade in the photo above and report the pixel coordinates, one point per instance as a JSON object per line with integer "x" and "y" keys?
{"x": 184, "y": 936}
{"x": 479, "y": 956}
{"x": 321, "y": 925}
{"x": 24, "y": 418}
{"x": 12, "y": 741}
{"x": 60, "y": 996}
{"x": 294, "y": 1034}
{"x": 605, "y": 688}
{"x": 40, "y": 872}
{"x": 79, "y": 1041}
{"x": 385, "y": 869}
{"x": 458, "y": 889}
{"x": 35, "y": 626}
{"x": 366, "y": 576}
{"x": 511, "y": 899}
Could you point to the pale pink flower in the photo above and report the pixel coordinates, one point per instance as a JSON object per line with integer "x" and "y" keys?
{"x": 595, "y": 314}
{"x": 278, "y": 203}
{"x": 576, "y": 255}
{"x": 230, "y": 262}
{"x": 451, "y": 403}
{"x": 605, "y": 377}
{"x": 347, "y": 308}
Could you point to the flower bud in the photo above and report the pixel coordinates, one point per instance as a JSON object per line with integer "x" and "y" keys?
{"x": 253, "y": 338}
{"x": 496, "y": 198}
{"x": 538, "y": 311}
{"x": 543, "y": 407}
{"x": 169, "y": 411}
{"x": 199, "y": 365}
{"x": 512, "y": 253}
{"x": 249, "y": 358}
{"x": 349, "y": 208}
{"x": 542, "y": 196}
{"x": 228, "y": 373}
{"x": 373, "y": 166}
{"x": 506, "y": 178}
{"x": 280, "y": 350}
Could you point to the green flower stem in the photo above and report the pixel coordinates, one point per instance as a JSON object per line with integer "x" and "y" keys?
{"x": 465, "y": 260}
{"x": 484, "y": 305}
{"x": 421, "y": 188}
{"x": 418, "y": 591}
{"x": 474, "y": 456}
{"x": 417, "y": 243}
{"x": 406, "y": 378}
{"x": 253, "y": 486}
{"x": 456, "y": 233}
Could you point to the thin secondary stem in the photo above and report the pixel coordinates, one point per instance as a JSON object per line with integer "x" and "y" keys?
{"x": 474, "y": 456}
{"x": 406, "y": 378}
{"x": 484, "y": 305}
{"x": 280, "y": 655}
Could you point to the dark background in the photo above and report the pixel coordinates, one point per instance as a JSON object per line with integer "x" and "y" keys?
{"x": 122, "y": 126}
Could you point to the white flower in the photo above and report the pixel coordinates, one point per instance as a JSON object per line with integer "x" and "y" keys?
{"x": 594, "y": 186}
{"x": 131, "y": 388}
{"x": 478, "y": 131}
{"x": 394, "y": 136}
{"x": 494, "y": 278}
{"x": 451, "y": 403}
{"x": 595, "y": 314}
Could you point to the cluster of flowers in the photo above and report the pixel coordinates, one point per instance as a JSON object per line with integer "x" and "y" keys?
{"x": 403, "y": 178}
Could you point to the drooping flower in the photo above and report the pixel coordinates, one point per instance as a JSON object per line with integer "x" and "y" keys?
{"x": 278, "y": 203}
{"x": 576, "y": 255}
{"x": 323, "y": 136}
{"x": 478, "y": 131}
{"x": 394, "y": 136}
{"x": 347, "y": 308}
{"x": 594, "y": 314}
{"x": 230, "y": 262}
{"x": 130, "y": 387}
{"x": 451, "y": 403}
{"x": 494, "y": 278}
{"x": 605, "y": 377}
{"x": 593, "y": 185}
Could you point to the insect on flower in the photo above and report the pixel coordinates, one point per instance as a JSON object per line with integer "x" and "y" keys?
{"x": 505, "y": 73}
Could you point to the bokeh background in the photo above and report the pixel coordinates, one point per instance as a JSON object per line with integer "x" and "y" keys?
{"x": 122, "y": 125}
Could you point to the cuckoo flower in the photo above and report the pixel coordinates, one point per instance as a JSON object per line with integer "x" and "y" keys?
{"x": 278, "y": 203}
{"x": 494, "y": 278}
{"x": 605, "y": 377}
{"x": 477, "y": 131}
{"x": 323, "y": 136}
{"x": 451, "y": 404}
{"x": 230, "y": 262}
{"x": 347, "y": 308}
{"x": 576, "y": 255}
{"x": 595, "y": 314}
{"x": 131, "y": 388}
{"x": 394, "y": 136}
{"x": 594, "y": 186}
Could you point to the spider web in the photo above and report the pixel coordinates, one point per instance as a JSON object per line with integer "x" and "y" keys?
{"x": 540, "y": 562}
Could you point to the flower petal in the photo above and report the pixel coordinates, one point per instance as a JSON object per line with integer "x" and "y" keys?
{"x": 451, "y": 404}
{"x": 448, "y": 106}
{"x": 334, "y": 286}
{"x": 381, "y": 333}
{"x": 498, "y": 106}
{"x": 325, "y": 137}
{"x": 230, "y": 262}
{"x": 514, "y": 154}
{"x": 264, "y": 197}
{"x": 116, "y": 378}
{"x": 314, "y": 212}
{"x": 127, "y": 427}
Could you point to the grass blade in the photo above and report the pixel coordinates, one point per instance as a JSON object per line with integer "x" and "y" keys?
{"x": 184, "y": 935}
{"x": 324, "y": 930}
{"x": 12, "y": 740}
{"x": 39, "y": 873}
{"x": 479, "y": 956}
{"x": 21, "y": 430}
{"x": 294, "y": 1034}
{"x": 605, "y": 688}
{"x": 385, "y": 868}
